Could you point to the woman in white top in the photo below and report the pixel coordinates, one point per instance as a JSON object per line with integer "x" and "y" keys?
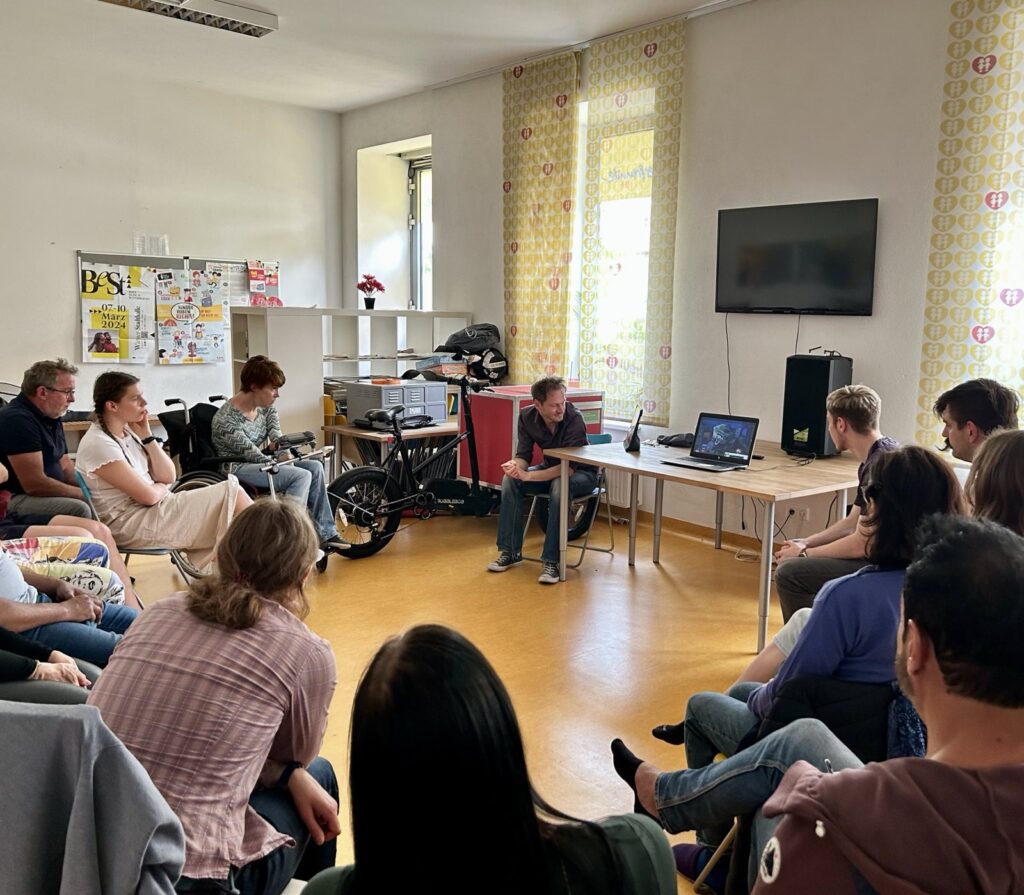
{"x": 128, "y": 473}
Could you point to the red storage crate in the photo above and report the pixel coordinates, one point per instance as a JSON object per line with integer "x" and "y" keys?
{"x": 496, "y": 419}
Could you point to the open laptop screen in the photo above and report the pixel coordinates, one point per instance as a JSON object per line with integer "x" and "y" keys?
{"x": 721, "y": 437}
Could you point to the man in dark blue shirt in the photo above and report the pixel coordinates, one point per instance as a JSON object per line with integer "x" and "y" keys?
{"x": 39, "y": 474}
{"x": 551, "y": 422}
{"x": 32, "y": 445}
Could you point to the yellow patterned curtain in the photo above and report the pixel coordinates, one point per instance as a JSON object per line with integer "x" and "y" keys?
{"x": 634, "y": 107}
{"x": 974, "y": 313}
{"x": 539, "y": 120}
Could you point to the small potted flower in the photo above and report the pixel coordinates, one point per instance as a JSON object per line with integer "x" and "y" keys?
{"x": 369, "y": 285}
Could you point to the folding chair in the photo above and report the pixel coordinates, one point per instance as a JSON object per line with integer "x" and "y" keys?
{"x": 178, "y": 559}
{"x": 600, "y": 491}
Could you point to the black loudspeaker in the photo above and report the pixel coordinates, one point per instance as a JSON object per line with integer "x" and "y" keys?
{"x": 809, "y": 379}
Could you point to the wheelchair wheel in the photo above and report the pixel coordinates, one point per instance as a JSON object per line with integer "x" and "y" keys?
{"x": 362, "y": 494}
{"x": 581, "y": 517}
{"x": 200, "y": 478}
{"x": 192, "y": 481}
{"x": 321, "y": 564}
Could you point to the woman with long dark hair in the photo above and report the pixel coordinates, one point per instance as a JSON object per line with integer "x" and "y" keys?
{"x": 441, "y": 798}
{"x": 128, "y": 473}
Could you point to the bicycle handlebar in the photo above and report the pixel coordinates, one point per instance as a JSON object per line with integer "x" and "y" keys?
{"x": 477, "y": 385}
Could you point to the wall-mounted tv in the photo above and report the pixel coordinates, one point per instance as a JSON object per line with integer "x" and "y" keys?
{"x": 817, "y": 258}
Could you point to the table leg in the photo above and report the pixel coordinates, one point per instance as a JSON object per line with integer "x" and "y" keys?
{"x": 634, "y": 499}
{"x": 841, "y": 514}
{"x": 563, "y": 517}
{"x": 719, "y": 501}
{"x": 764, "y": 597}
{"x": 659, "y": 490}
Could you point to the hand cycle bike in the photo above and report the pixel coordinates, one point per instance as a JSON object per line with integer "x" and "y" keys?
{"x": 373, "y": 498}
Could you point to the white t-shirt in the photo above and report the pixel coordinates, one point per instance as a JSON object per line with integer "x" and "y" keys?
{"x": 97, "y": 449}
{"x": 13, "y": 585}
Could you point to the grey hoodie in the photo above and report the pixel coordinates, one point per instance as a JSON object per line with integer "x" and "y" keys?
{"x": 909, "y": 826}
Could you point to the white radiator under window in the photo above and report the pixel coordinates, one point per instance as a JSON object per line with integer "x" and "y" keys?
{"x": 618, "y": 488}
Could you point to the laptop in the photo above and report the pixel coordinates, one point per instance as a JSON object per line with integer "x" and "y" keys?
{"x": 720, "y": 443}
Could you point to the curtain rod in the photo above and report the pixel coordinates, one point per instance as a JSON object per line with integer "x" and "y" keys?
{"x": 703, "y": 10}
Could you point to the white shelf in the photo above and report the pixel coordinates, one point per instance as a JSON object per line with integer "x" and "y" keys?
{"x": 309, "y": 342}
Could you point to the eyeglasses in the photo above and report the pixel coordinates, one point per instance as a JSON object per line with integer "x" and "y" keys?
{"x": 68, "y": 393}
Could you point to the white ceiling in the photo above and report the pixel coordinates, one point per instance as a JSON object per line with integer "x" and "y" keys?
{"x": 329, "y": 54}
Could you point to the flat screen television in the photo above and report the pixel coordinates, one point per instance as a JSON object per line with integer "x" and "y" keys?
{"x": 817, "y": 258}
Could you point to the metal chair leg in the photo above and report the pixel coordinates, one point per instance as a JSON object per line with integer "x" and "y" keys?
{"x": 716, "y": 857}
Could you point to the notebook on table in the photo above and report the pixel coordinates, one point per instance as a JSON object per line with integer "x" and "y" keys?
{"x": 720, "y": 443}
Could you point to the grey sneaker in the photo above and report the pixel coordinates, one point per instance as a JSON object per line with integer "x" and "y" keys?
{"x": 506, "y": 559}
{"x": 550, "y": 574}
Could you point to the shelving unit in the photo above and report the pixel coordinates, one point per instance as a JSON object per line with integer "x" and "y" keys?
{"x": 292, "y": 337}
{"x": 313, "y": 343}
{"x": 386, "y": 342}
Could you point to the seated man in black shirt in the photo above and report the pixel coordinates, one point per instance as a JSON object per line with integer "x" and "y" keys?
{"x": 37, "y": 471}
{"x": 550, "y": 423}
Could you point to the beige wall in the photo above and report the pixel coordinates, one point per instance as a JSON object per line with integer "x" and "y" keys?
{"x": 87, "y": 159}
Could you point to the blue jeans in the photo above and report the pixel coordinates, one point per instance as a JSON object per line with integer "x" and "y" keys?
{"x": 303, "y": 482}
{"x": 709, "y": 798}
{"x": 510, "y": 517}
{"x": 716, "y": 722}
{"x": 271, "y": 874}
{"x": 86, "y": 640}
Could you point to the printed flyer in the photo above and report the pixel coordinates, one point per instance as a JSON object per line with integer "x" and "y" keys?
{"x": 264, "y": 285}
{"x": 190, "y": 316}
{"x": 118, "y": 323}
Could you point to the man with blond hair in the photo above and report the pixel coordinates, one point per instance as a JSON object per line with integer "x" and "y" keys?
{"x": 805, "y": 564}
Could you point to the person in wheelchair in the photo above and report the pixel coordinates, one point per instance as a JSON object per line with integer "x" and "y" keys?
{"x": 551, "y": 422}
{"x": 247, "y": 423}
{"x": 130, "y": 476}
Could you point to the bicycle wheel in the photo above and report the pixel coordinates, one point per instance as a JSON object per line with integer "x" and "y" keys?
{"x": 362, "y": 494}
{"x": 581, "y": 516}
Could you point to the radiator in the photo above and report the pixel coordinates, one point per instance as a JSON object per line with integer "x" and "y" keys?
{"x": 618, "y": 488}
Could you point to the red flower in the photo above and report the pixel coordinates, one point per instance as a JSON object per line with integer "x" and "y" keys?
{"x": 370, "y": 285}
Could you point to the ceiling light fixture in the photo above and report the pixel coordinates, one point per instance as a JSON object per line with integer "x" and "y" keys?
{"x": 212, "y": 13}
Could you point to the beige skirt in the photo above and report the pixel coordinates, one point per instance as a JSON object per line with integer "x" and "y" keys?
{"x": 193, "y": 521}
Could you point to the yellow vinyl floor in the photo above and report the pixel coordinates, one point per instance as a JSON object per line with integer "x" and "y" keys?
{"x": 610, "y": 652}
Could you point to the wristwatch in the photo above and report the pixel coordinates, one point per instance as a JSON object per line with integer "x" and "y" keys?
{"x": 149, "y": 439}
{"x": 803, "y": 551}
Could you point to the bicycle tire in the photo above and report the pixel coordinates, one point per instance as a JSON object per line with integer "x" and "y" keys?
{"x": 581, "y": 517}
{"x": 361, "y": 492}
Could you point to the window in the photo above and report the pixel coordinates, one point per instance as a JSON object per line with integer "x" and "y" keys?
{"x": 609, "y": 327}
{"x": 421, "y": 234}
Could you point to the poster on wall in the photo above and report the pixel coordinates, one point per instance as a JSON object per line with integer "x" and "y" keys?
{"x": 190, "y": 316}
{"x": 264, "y": 285}
{"x": 118, "y": 323}
{"x": 236, "y": 281}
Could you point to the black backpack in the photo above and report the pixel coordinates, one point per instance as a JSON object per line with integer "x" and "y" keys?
{"x": 474, "y": 339}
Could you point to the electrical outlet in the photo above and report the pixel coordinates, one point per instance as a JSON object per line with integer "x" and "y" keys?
{"x": 803, "y": 513}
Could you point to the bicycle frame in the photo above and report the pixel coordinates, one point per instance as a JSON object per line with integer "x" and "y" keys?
{"x": 408, "y": 477}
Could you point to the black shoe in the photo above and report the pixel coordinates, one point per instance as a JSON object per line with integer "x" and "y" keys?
{"x": 550, "y": 574}
{"x": 670, "y": 733}
{"x": 506, "y": 559}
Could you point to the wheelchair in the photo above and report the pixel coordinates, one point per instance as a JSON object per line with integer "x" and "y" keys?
{"x": 190, "y": 441}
